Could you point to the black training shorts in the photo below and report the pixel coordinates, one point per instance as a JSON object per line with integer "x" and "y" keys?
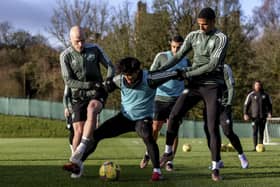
{"x": 162, "y": 110}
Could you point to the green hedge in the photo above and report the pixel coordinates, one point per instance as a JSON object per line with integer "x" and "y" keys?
{"x": 18, "y": 126}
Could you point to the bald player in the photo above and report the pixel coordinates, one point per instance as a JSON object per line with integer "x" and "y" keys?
{"x": 80, "y": 67}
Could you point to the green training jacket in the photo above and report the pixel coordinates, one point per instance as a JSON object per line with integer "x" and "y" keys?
{"x": 209, "y": 54}
{"x": 80, "y": 70}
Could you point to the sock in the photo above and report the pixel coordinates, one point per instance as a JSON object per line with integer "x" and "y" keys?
{"x": 241, "y": 156}
{"x": 71, "y": 148}
{"x": 170, "y": 162}
{"x": 146, "y": 153}
{"x": 157, "y": 170}
{"x": 83, "y": 145}
{"x": 215, "y": 165}
{"x": 168, "y": 148}
{"x": 77, "y": 155}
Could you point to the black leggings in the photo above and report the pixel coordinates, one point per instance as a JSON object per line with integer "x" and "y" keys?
{"x": 227, "y": 126}
{"x": 211, "y": 96}
{"x": 258, "y": 127}
{"x": 118, "y": 125}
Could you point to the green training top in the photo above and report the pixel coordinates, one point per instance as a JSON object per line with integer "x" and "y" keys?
{"x": 79, "y": 70}
{"x": 209, "y": 54}
{"x": 228, "y": 93}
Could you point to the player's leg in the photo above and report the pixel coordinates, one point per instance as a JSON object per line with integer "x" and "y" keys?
{"x": 255, "y": 126}
{"x": 185, "y": 102}
{"x": 144, "y": 130}
{"x": 261, "y": 129}
{"x": 170, "y": 165}
{"x": 107, "y": 130}
{"x": 212, "y": 96}
{"x": 227, "y": 126}
{"x": 112, "y": 127}
{"x": 79, "y": 118}
{"x": 94, "y": 107}
{"x": 157, "y": 125}
{"x": 161, "y": 113}
{"x": 71, "y": 137}
{"x": 205, "y": 127}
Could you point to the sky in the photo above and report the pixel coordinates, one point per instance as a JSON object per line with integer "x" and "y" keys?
{"x": 34, "y": 15}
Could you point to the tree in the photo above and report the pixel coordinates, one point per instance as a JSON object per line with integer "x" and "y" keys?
{"x": 151, "y": 33}
{"x": 91, "y": 16}
{"x": 5, "y": 30}
{"x": 266, "y": 63}
{"x": 268, "y": 14}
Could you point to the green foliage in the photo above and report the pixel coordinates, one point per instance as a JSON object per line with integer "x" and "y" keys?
{"x": 37, "y": 162}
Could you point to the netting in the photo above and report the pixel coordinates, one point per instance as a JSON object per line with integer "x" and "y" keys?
{"x": 272, "y": 131}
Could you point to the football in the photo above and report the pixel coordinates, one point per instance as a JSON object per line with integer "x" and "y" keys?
{"x": 260, "y": 148}
{"x": 230, "y": 148}
{"x": 223, "y": 148}
{"x": 187, "y": 147}
{"x": 109, "y": 171}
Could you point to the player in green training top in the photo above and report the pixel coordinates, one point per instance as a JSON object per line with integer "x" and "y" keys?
{"x": 80, "y": 67}
{"x": 206, "y": 80}
{"x": 225, "y": 118}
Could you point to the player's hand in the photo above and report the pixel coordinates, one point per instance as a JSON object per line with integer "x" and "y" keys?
{"x": 94, "y": 85}
{"x": 228, "y": 109}
{"x": 181, "y": 74}
{"x": 246, "y": 117}
{"x": 109, "y": 85}
{"x": 269, "y": 115}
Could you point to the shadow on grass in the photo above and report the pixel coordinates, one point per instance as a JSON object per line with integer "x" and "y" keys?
{"x": 131, "y": 176}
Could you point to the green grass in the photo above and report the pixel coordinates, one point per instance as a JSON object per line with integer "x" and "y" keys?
{"x": 38, "y": 162}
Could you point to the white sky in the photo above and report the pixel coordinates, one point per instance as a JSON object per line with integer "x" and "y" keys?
{"x": 34, "y": 15}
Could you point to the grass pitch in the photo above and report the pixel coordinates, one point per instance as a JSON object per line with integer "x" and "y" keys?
{"x": 38, "y": 162}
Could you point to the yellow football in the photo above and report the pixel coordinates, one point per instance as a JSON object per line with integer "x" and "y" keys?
{"x": 109, "y": 171}
{"x": 260, "y": 148}
{"x": 230, "y": 148}
{"x": 223, "y": 148}
{"x": 187, "y": 147}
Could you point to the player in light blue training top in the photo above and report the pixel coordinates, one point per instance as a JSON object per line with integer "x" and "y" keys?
{"x": 137, "y": 99}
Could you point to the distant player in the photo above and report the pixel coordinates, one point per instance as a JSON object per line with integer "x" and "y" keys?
{"x": 136, "y": 115}
{"x": 258, "y": 107}
{"x": 166, "y": 95}
{"x": 226, "y": 118}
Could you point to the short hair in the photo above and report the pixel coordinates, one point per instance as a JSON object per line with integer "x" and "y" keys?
{"x": 258, "y": 81}
{"x": 207, "y": 13}
{"x": 177, "y": 38}
{"x": 128, "y": 65}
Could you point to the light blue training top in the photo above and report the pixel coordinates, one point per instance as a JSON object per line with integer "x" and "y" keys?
{"x": 171, "y": 88}
{"x": 137, "y": 103}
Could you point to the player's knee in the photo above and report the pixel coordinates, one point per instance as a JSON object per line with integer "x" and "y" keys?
{"x": 156, "y": 128}
{"x": 144, "y": 129}
{"x": 78, "y": 132}
{"x": 93, "y": 108}
{"x": 227, "y": 132}
{"x": 144, "y": 133}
